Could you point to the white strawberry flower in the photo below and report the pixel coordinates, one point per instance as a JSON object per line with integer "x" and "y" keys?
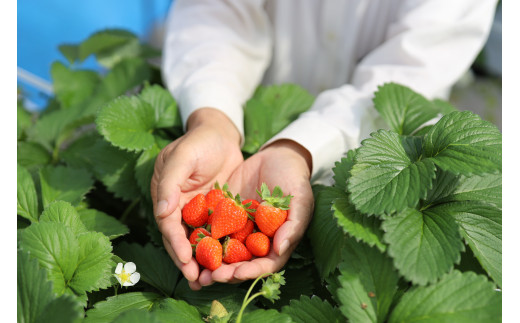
{"x": 127, "y": 276}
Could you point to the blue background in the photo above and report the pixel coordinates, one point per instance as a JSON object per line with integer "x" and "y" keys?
{"x": 44, "y": 25}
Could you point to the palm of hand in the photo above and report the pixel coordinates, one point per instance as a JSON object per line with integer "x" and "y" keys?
{"x": 274, "y": 167}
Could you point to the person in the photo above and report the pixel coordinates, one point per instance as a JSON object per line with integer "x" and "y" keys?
{"x": 217, "y": 52}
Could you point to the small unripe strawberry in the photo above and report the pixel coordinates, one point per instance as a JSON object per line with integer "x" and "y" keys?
{"x": 209, "y": 253}
{"x": 195, "y": 212}
{"x": 230, "y": 216}
{"x": 242, "y": 234}
{"x": 258, "y": 244}
{"x": 272, "y": 212}
{"x": 235, "y": 251}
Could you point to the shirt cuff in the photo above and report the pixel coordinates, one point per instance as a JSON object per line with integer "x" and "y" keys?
{"x": 325, "y": 144}
{"x": 212, "y": 95}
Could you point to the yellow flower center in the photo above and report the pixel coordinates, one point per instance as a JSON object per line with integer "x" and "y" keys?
{"x": 124, "y": 276}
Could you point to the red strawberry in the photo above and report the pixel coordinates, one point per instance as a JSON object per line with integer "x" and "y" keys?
{"x": 272, "y": 212}
{"x": 209, "y": 253}
{"x": 197, "y": 235}
{"x": 242, "y": 234}
{"x": 235, "y": 251}
{"x": 195, "y": 212}
{"x": 252, "y": 207}
{"x": 214, "y": 196}
{"x": 258, "y": 244}
{"x": 230, "y": 216}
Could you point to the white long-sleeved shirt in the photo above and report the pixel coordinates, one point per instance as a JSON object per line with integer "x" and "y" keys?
{"x": 217, "y": 52}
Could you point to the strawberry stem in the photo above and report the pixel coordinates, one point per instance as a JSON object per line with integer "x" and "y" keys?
{"x": 247, "y": 300}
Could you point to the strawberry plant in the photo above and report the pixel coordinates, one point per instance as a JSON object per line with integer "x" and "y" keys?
{"x": 410, "y": 229}
{"x": 412, "y": 225}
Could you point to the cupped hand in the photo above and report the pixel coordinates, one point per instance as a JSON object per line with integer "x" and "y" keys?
{"x": 286, "y": 164}
{"x": 208, "y": 152}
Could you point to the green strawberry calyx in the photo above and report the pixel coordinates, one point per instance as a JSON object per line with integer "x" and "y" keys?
{"x": 276, "y": 198}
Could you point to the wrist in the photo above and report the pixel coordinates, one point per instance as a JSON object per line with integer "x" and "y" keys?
{"x": 211, "y": 118}
{"x": 291, "y": 146}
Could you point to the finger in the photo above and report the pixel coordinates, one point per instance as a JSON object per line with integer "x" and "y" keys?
{"x": 190, "y": 270}
{"x": 172, "y": 170}
{"x": 225, "y": 273}
{"x": 176, "y": 234}
{"x": 195, "y": 285}
{"x": 205, "y": 278}
{"x": 292, "y": 230}
{"x": 256, "y": 267}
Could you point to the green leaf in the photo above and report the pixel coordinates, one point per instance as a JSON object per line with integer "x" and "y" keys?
{"x": 175, "y": 311}
{"x": 154, "y": 265}
{"x": 50, "y": 126}
{"x": 56, "y": 248}
{"x": 166, "y": 112}
{"x": 229, "y": 295}
{"x": 72, "y": 87}
{"x": 136, "y": 316}
{"x": 63, "y": 212}
{"x": 342, "y": 169}
{"x": 34, "y": 290}
{"x": 424, "y": 245}
{"x": 70, "y": 51}
{"x": 270, "y": 110}
{"x": 262, "y": 316}
{"x": 94, "y": 267}
{"x": 463, "y": 143}
{"x": 105, "y": 43}
{"x": 112, "y": 307}
{"x": 32, "y": 154}
{"x": 98, "y": 221}
{"x": 286, "y": 101}
{"x": 23, "y": 120}
{"x": 403, "y": 109}
{"x": 312, "y": 309}
{"x": 481, "y": 227}
{"x": 421, "y": 132}
{"x": 444, "y": 107}
{"x": 443, "y": 186}
{"x": 324, "y": 232}
{"x": 27, "y": 199}
{"x": 127, "y": 123}
{"x": 75, "y": 263}
{"x": 368, "y": 283}
{"x": 124, "y": 76}
{"x": 144, "y": 169}
{"x": 457, "y": 297}
{"x": 357, "y": 225}
{"x": 486, "y": 188}
{"x": 389, "y": 174}
{"x": 112, "y": 166}
{"x": 257, "y": 125}
{"x": 63, "y": 309}
{"x": 64, "y": 183}
{"x": 130, "y": 49}
{"x": 36, "y": 301}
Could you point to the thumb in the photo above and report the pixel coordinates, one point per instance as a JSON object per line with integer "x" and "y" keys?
{"x": 171, "y": 171}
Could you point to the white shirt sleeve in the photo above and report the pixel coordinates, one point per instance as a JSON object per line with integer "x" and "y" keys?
{"x": 427, "y": 49}
{"x": 215, "y": 54}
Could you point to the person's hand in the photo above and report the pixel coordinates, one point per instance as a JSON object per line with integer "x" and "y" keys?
{"x": 208, "y": 152}
{"x": 286, "y": 164}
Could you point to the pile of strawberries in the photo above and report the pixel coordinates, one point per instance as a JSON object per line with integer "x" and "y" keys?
{"x": 225, "y": 228}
